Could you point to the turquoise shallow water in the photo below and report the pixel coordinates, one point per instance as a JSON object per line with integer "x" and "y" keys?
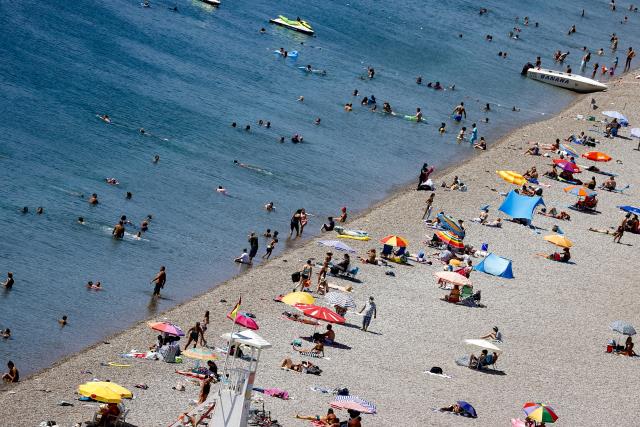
{"x": 185, "y": 77}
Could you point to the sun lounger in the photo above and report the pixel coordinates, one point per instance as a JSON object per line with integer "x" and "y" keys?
{"x": 200, "y": 414}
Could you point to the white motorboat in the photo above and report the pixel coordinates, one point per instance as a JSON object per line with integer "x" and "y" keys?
{"x": 297, "y": 25}
{"x": 211, "y": 2}
{"x": 569, "y": 81}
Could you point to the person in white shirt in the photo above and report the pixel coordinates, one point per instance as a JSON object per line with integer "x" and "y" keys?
{"x": 244, "y": 258}
{"x": 369, "y": 310}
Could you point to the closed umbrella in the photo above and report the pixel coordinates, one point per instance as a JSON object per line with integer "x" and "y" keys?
{"x": 354, "y": 403}
{"x": 106, "y": 392}
{"x": 293, "y": 298}
{"x": 597, "y": 156}
{"x": 539, "y": 412}
{"x": 393, "y": 240}
{"x": 512, "y": 177}
{"x": 579, "y": 190}
{"x": 320, "y": 313}
{"x": 450, "y": 239}
{"x": 166, "y": 327}
{"x": 452, "y": 277}
{"x": 336, "y": 244}
{"x": 623, "y": 328}
{"x": 340, "y": 299}
{"x": 559, "y": 240}
{"x": 449, "y": 223}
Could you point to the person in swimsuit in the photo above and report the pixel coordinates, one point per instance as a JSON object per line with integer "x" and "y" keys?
{"x": 459, "y": 112}
{"x": 118, "y": 230}
{"x": 93, "y": 200}
{"x": 159, "y": 281}
{"x": 8, "y": 284}
{"x": 295, "y": 223}
{"x": 303, "y": 220}
{"x": 330, "y": 226}
{"x": 13, "y": 376}
{"x": 194, "y": 334}
{"x": 343, "y": 214}
{"x": 270, "y": 248}
{"x": 253, "y": 243}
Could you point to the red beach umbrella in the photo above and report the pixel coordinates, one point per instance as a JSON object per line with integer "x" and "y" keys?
{"x": 320, "y": 313}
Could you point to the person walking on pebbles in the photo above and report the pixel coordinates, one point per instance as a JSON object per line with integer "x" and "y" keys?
{"x": 369, "y": 310}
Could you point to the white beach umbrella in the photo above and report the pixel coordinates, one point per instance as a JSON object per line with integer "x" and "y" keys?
{"x": 615, "y": 115}
{"x": 475, "y": 344}
{"x": 635, "y": 132}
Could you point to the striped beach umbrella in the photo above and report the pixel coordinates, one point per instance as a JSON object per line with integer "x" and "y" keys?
{"x": 512, "y": 177}
{"x": 450, "y": 239}
{"x": 340, "y": 299}
{"x": 539, "y": 412}
{"x": 393, "y": 240}
{"x": 597, "y": 156}
{"x": 166, "y": 327}
{"x": 320, "y": 313}
{"x": 579, "y": 190}
{"x": 451, "y": 224}
{"x": 354, "y": 403}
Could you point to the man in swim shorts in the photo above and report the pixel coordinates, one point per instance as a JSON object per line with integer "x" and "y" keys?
{"x": 459, "y": 112}
{"x": 159, "y": 281}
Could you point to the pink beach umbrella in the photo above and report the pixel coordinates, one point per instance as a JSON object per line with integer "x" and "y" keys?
{"x": 246, "y": 321}
{"x": 167, "y": 328}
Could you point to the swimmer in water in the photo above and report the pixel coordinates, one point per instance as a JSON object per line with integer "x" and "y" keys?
{"x": 40, "y": 210}
{"x": 234, "y": 124}
{"x": 281, "y": 140}
{"x": 247, "y": 128}
{"x": 308, "y": 69}
{"x": 419, "y": 80}
{"x": 223, "y": 190}
{"x": 156, "y": 158}
{"x": 6, "y": 334}
{"x": 442, "y": 128}
{"x": 105, "y": 118}
{"x": 487, "y": 107}
{"x": 263, "y": 30}
{"x": 174, "y": 8}
{"x": 24, "y": 210}
{"x": 269, "y": 207}
{"x": 111, "y": 181}
{"x": 80, "y": 220}
{"x": 301, "y": 98}
{"x": 459, "y": 112}
{"x": 129, "y": 195}
{"x": 460, "y": 137}
{"x": 317, "y": 121}
{"x": 418, "y": 115}
{"x": 142, "y": 131}
{"x": 268, "y": 125}
{"x": 93, "y": 200}
{"x": 63, "y": 321}
{"x": 386, "y": 107}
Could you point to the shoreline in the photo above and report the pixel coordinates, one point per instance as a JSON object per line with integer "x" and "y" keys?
{"x": 404, "y": 195}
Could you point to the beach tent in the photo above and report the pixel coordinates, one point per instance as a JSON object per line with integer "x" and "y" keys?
{"x": 518, "y": 206}
{"x": 496, "y": 266}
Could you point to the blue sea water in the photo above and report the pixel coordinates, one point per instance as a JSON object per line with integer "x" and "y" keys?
{"x": 184, "y": 77}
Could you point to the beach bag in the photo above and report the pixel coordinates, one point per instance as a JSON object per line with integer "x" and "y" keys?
{"x": 314, "y": 370}
{"x": 342, "y": 391}
{"x": 436, "y": 370}
{"x": 295, "y": 277}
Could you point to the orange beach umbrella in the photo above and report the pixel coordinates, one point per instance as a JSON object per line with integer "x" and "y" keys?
{"x": 597, "y": 156}
{"x": 393, "y": 240}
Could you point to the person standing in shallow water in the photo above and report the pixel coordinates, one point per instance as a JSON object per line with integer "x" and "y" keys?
{"x": 159, "y": 281}
{"x": 118, "y": 230}
{"x": 253, "y": 244}
{"x": 295, "y": 223}
{"x": 630, "y": 54}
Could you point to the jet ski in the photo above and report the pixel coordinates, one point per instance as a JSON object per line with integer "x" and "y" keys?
{"x": 295, "y": 25}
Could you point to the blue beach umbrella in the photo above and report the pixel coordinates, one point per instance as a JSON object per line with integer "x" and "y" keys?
{"x": 615, "y": 115}
{"x": 336, "y": 244}
{"x": 449, "y": 223}
{"x": 631, "y": 209}
{"x": 467, "y": 408}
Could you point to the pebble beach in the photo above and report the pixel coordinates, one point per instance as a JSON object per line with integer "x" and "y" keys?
{"x": 554, "y": 316}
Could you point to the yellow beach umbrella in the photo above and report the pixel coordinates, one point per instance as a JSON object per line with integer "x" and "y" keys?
{"x": 294, "y": 298}
{"x": 106, "y": 392}
{"x": 559, "y": 240}
{"x": 512, "y": 177}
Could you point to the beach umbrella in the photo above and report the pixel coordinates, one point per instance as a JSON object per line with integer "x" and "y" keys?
{"x": 450, "y": 239}
{"x": 597, "y": 156}
{"x": 512, "y": 177}
{"x": 631, "y": 209}
{"x": 293, "y": 298}
{"x": 539, "y": 412}
{"x": 106, "y": 392}
{"x": 467, "y": 408}
{"x": 453, "y": 277}
{"x": 615, "y": 115}
{"x": 567, "y": 165}
{"x": 635, "y": 132}
{"x": 475, "y": 344}
{"x": 393, "y": 240}
{"x": 579, "y": 190}
{"x": 200, "y": 353}
{"x": 336, "y": 244}
{"x": 622, "y": 327}
{"x": 354, "y": 403}
{"x": 166, "y": 327}
{"x": 558, "y": 240}
{"x": 451, "y": 224}
{"x": 243, "y": 320}
{"x": 340, "y": 299}
{"x": 320, "y": 313}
